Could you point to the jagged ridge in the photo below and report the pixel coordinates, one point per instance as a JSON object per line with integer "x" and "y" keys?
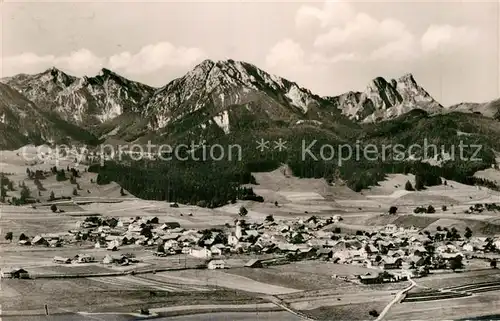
{"x": 84, "y": 101}
{"x": 22, "y": 122}
{"x": 384, "y": 100}
{"x": 213, "y": 87}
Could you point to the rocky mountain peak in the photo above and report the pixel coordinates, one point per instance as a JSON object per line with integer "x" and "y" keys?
{"x": 407, "y": 78}
{"x": 211, "y": 87}
{"x": 85, "y": 101}
{"x": 105, "y": 71}
{"x": 378, "y": 82}
{"x": 56, "y": 76}
{"x": 384, "y": 99}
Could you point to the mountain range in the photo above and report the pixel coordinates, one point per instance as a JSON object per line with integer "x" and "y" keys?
{"x": 215, "y": 98}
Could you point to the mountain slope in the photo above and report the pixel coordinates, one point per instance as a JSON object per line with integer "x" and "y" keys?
{"x": 215, "y": 98}
{"x": 490, "y": 109}
{"x": 384, "y": 100}
{"x": 214, "y": 86}
{"x": 22, "y": 122}
{"x": 85, "y": 101}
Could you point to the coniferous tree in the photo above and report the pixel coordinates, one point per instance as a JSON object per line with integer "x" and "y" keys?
{"x": 9, "y": 236}
{"x": 409, "y": 186}
{"x": 468, "y": 232}
{"x": 419, "y": 183}
{"x": 25, "y": 194}
{"x": 243, "y": 211}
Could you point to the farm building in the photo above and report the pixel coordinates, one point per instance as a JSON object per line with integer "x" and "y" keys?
{"x": 14, "y": 273}
{"x": 113, "y": 245}
{"x": 255, "y": 263}
{"x": 170, "y": 225}
{"x": 216, "y": 264}
{"x": 111, "y": 222}
{"x": 325, "y": 253}
{"x": 61, "y": 260}
{"x": 170, "y": 236}
{"x": 38, "y": 240}
{"x": 202, "y": 253}
{"x": 389, "y": 263}
{"x": 100, "y": 244}
{"x": 216, "y": 251}
{"x": 108, "y": 259}
{"x": 117, "y": 259}
{"x": 55, "y": 243}
{"x": 370, "y": 278}
{"x": 84, "y": 258}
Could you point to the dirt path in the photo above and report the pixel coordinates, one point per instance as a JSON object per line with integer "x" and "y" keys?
{"x": 396, "y": 299}
{"x": 286, "y": 307}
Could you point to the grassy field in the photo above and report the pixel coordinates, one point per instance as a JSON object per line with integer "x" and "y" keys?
{"x": 308, "y": 275}
{"x": 454, "y": 308}
{"x": 34, "y": 221}
{"x": 418, "y": 221}
{"x": 438, "y": 281}
{"x": 15, "y": 163}
{"x": 451, "y": 309}
{"x": 306, "y": 286}
{"x": 297, "y": 280}
{"x": 93, "y": 296}
{"x": 228, "y": 280}
{"x": 347, "y": 311}
{"x": 63, "y": 295}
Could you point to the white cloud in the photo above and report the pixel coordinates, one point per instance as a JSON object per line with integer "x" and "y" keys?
{"x": 340, "y": 34}
{"x": 28, "y": 59}
{"x": 82, "y": 62}
{"x": 154, "y": 57}
{"x": 332, "y": 13}
{"x": 403, "y": 48}
{"x": 368, "y": 37}
{"x": 448, "y": 38}
{"x": 285, "y": 52}
{"x": 319, "y": 58}
{"x": 78, "y": 62}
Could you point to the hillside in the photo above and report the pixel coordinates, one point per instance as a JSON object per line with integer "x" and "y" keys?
{"x": 222, "y": 98}
{"x": 490, "y": 109}
{"x": 218, "y": 98}
{"x": 86, "y": 101}
{"x": 232, "y": 103}
{"x": 383, "y": 100}
{"x": 22, "y": 122}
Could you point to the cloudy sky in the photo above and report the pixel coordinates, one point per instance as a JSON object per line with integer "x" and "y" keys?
{"x": 452, "y": 48}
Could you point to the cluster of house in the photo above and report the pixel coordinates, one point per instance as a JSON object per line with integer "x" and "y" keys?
{"x": 48, "y": 240}
{"x": 79, "y": 258}
{"x": 402, "y": 251}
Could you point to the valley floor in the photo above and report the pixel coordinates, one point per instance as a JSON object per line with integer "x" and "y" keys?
{"x": 172, "y": 286}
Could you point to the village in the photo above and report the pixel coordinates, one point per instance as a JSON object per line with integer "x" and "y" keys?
{"x": 398, "y": 253}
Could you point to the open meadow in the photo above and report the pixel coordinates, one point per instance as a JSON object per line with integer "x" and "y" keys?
{"x": 313, "y": 287}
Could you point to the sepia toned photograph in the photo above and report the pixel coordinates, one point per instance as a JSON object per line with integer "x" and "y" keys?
{"x": 239, "y": 160}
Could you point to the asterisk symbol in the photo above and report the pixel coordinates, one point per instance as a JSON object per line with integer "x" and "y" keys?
{"x": 280, "y": 145}
{"x": 262, "y": 144}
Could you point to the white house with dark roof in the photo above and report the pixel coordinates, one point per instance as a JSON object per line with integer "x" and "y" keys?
{"x": 216, "y": 264}
{"x": 202, "y": 253}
